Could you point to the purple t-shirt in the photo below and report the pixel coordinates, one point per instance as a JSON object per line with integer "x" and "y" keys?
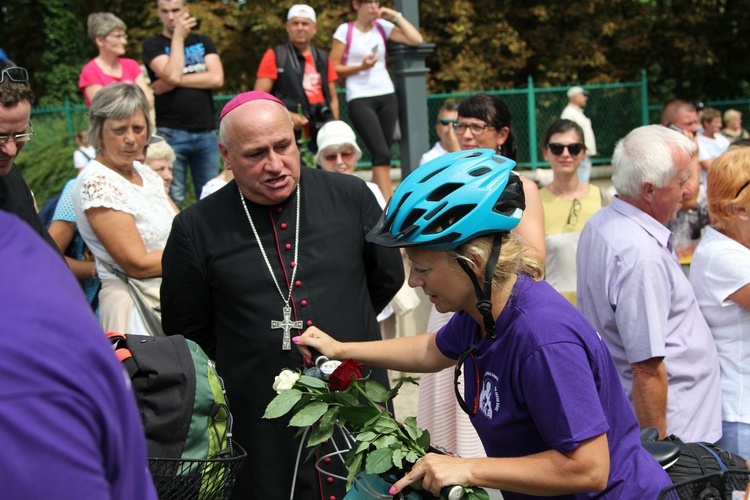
{"x": 548, "y": 382}
{"x": 69, "y": 425}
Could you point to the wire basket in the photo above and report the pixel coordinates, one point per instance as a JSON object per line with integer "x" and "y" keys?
{"x": 195, "y": 479}
{"x": 727, "y": 485}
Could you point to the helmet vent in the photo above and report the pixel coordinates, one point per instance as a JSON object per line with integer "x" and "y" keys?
{"x": 445, "y": 220}
{"x": 443, "y": 191}
{"x": 413, "y": 217}
{"x": 512, "y": 198}
{"x": 432, "y": 174}
{"x": 478, "y": 172}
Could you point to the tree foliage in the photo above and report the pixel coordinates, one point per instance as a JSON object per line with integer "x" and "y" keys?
{"x": 690, "y": 48}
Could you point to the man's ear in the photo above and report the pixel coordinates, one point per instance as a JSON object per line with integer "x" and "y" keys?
{"x": 647, "y": 191}
{"x": 225, "y": 156}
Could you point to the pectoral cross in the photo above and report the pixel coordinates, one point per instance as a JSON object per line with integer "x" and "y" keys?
{"x": 286, "y": 325}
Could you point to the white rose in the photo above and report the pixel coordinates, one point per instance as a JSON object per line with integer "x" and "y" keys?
{"x": 285, "y": 381}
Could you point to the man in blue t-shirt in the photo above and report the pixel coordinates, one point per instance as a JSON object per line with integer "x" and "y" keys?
{"x": 69, "y": 425}
{"x": 184, "y": 68}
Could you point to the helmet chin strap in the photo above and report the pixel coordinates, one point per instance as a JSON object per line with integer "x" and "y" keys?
{"x": 484, "y": 294}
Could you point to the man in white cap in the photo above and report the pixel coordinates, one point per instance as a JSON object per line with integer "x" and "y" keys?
{"x": 577, "y": 99}
{"x": 301, "y": 75}
{"x": 278, "y": 249}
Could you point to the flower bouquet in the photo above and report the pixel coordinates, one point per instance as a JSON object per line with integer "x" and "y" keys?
{"x": 359, "y": 405}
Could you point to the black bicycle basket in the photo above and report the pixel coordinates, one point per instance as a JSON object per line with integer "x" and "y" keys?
{"x": 207, "y": 479}
{"x": 718, "y": 486}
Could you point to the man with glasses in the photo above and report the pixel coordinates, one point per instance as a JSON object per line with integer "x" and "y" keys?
{"x": 447, "y": 119}
{"x": 16, "y": 98}
{"x": 632, "y": 289}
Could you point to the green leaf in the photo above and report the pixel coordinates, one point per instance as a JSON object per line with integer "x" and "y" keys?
{"x": 411, "y": 428}
{"x": 376, "y": 391}
{"x": 309, "y": 381}
{"x": 412, "y": 457}
{"x": 424, "y": 441}
{"x": 320, "y": 434}
{"x": 329, "y": 419}
{"x": 358, "y": 416}
{"x": 398, "y": 456}
{"x": 379, "y": 461}
{"x": 475, "y": 493}
{"x": 309, "y": 415}
{"x": 281, "y": 404}
{"x": 355, "y": 467}
{"x": 385, "y": 425}
{"x": 346, "y": 399}
{"x": 363, "y": 446}
{"x": 385, "y": 441}
{"x": 366, "y": 436}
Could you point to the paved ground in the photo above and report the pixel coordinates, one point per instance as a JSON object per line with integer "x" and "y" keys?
{"x": 405, "y": 404}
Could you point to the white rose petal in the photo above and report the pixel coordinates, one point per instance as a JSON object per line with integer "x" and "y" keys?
{"x": 285, "y": 381}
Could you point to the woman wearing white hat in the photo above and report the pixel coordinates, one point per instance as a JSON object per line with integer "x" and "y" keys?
{"x": 338, "y": 152}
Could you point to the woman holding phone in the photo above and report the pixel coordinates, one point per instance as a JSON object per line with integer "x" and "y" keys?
{"x": 358, "y": 54}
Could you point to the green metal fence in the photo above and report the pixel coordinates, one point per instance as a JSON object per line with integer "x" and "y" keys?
{"x": 614, "y": 109}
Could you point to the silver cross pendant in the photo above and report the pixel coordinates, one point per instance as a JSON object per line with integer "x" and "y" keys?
{"x": 286, "y": 325}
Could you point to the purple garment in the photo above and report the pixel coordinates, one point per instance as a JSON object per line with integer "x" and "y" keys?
{"x": 633, "y": 291}
{"x": 549, "y": 382}
{"x": 69, "y": 425}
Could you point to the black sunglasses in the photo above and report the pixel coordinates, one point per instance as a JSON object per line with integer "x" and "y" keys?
{"x": 446, "y": 121}
{"x": 468, "y": 353}
{"x": 557, "y": 149}
{"x": 15, "y": 74}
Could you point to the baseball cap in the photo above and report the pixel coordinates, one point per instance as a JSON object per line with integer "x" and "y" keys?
{"x": 576, "y": 90}
{"x": 301, "y": 10}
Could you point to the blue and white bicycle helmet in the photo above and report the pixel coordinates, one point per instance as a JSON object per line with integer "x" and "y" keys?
{"x": 451, "y": 200}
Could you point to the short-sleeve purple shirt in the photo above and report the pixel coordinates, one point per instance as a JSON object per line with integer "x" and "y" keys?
{"x": 548, "y": 382}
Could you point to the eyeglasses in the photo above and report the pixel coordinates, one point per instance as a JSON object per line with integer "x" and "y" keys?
{"x": 446, "y": 121}
{"x": 740, "y": 190}
{"x": 476, "y": 128}
{"x": 575, "y": 209}
{"x": 333, "y": 156}
{"x": 468, "y": 353}
{"x": 15, "y": 74}
{"x": 557, "y": 149}
{"x": 18, "y": 138}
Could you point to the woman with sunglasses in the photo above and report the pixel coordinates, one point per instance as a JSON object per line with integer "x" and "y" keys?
{"x": 358, "y": 54}
{"x": 568, "y": 204}
{"x": 484, "y": 121}
{"x": 540, "y": 385}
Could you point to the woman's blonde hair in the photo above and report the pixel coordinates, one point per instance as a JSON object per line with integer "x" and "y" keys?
{"x": 160, "y": 150}
{"x": 512, "y": 261}
{"x": 728, "y": 186}
{"x": 730, "y": 114}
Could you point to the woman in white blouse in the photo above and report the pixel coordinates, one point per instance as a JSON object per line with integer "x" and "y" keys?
{"x": 122, "y": 210}
{"x": 720, "y": 275}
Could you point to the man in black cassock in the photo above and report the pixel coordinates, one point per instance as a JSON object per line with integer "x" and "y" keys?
{"x": 218, "y": 290}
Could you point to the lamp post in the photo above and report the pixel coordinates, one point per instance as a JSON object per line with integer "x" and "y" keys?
{"x": 411, "y": 88}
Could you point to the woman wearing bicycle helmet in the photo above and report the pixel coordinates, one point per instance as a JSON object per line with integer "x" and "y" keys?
{"x": 541, "y": 388}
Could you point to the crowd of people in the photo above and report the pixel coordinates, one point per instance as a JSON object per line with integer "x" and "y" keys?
{"x": 576, "y": 317}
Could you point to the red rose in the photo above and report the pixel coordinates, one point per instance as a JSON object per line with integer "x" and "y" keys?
{"x": 342, "y": 376}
